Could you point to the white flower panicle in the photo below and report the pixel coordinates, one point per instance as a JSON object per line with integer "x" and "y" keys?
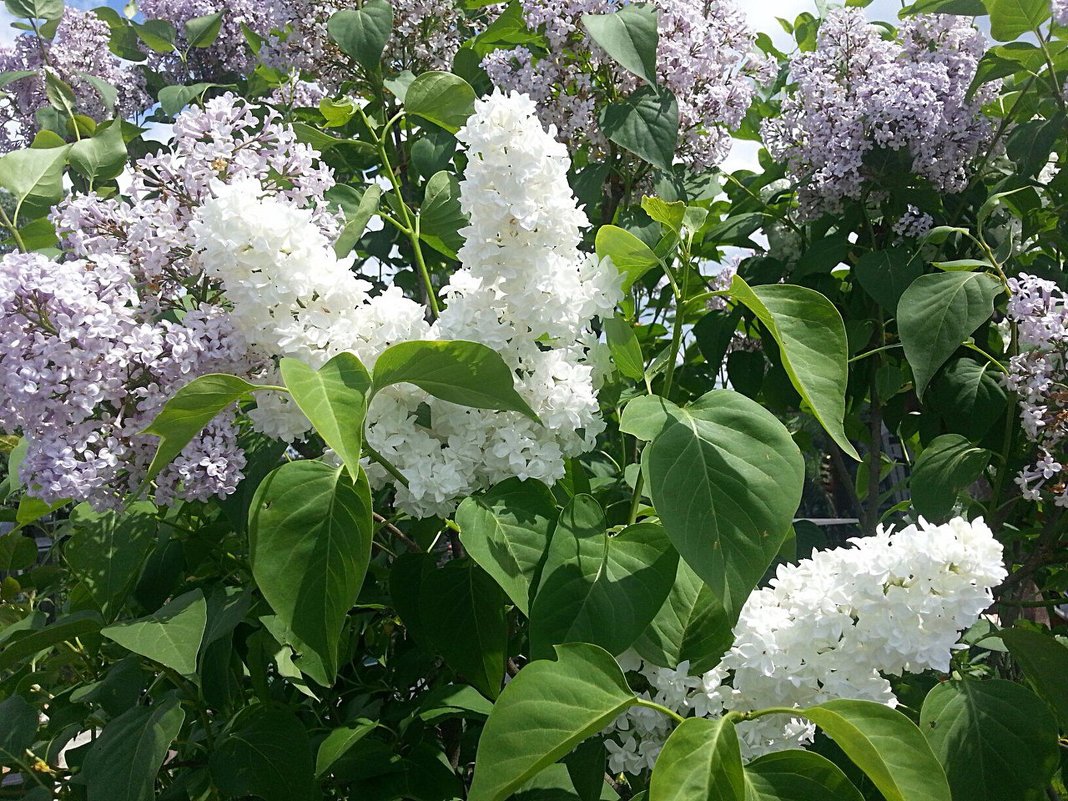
{"x": 832, "y": 626}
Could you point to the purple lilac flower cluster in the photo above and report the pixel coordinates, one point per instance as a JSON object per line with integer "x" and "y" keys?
{"x": 229, "y": 53}
{"x": 859, "y": 93}
{"x": 79, "y": 49}
{"x": 98, "y": 341}
{"x": 705, "y": 57}
{"x": 84, "y": 371}
{"x": 1039, "y": 375}
{"x": 1060, "y": 11}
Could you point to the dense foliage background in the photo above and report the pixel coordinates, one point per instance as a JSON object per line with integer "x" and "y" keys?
{"x": 401, "y": 402}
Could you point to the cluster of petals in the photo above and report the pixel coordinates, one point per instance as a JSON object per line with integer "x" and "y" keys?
{"x": 831, "y": 626}
{"x": 859, "y": 97}
{"x": 1039, "y": 310}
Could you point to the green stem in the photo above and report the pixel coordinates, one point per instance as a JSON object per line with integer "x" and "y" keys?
{"x": 862, "y": 356}
{"x": 636, "y": 498}
{"x": 388, "y": 465}
{"x": 662, "y": 709}
{"x": 9, "y": 225}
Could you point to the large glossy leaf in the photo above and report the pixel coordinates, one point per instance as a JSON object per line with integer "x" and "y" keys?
{"x": 338, "y": 743}
{"x": 937, "y": 313}
{"x": 310, "y": 533}
{"x": 101, "y": 156}
{"x": 1045, "y": 663}
{"x": 108, "y": 549}
{"x": 507, "y": 530}
{"x": 462, "y": 609}
{"x": 692, "y": 626}
{"x": 34, "y": 177}
{"x": 943, "y": 470}
{"x": 995, "y": 739}
{"x": 543, "y": 713}
{"x": 1012, "y": 18}
{"x": 700, "y": 761}
{"x": 466, "y": 373}
{"x": 646, "y": 123}
{"x": 797, "y": 776}
{"x": 170, "y": 636}
{"x": 626, "y": 351}
{"x": 886, "y": 274}
{"x": 444, "y": 99}
{"x": 629, "y": 36}
{"x": 599, "y": 589}
{"x": 190, "y": 409}
{"x": 35, "y": 9}
{"x": 265, "y": 753}
{"x": 726, "y": 479}
{"x": 123, "y": 762}
{"x": 363, "y": 32}
{"x": 886, "y": 745}
{"x": 969, "y": 396}
{"x": 812, "y": 344}
{"x": 334, "y": 399}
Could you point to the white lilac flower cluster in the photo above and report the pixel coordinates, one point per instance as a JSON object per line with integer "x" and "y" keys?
{"x": 705, "y": 57}
{"x": 1039, "y": 376}
{"x": 526, "y": 290}
{"x": 76, "y": 54}
{"x": 858, "y": 94}
{"x": 832, "y": 626}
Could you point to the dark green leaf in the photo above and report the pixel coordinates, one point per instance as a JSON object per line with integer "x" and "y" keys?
{"x": 170, "y": 636}
{"x": 507, "y": 531}
{"x": 943, "y": 470}
{"x": 265, "y": 753}
{"x": 35, "y": 9}
{"x": 363, "y": 32}
{"x": 203, "y": 31}
{"x": 310, "y": 533}
{"x": 700, "y": 761}
{"x": 629, "y": 36}
{"x": 101, "y": 157}
{"x": 440, "y": 217}
{"x": 1012, "y": 18}
{"x": 338, "y": 743}
{"x": 18, "y": 725}
{"x": 444, "y": 99}
{"x": 797, "y": 776}
{"x": 34, "y": 177}
{"x": 646, "y": 123}
{"x": 543, "y": 713}
{"x": 996, "y": 739}
{"x": 886, "y": 274}
{"x": 1045, "y": 663}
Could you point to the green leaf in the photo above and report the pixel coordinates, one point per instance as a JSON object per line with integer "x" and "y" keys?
{"x": 646, "y": 123}
{"x": 886, "y": 745}
{"x": 937, "y": 313}
{"x": 310, "y": 533}
{"x": 692, "y": 626}
{"x": 461, "y": 372}
{"x": 440, "y": 216}
{"x": 338, "y": 743}
{"x": 1045, "y": 664}
{"x": 175, "y": 98}
{"x": 812, "y": 344}
{"x": 670, "y": 214}
{"x": 334, "y": 399}
{"x": 969, "y": 396}
{"x": 190, "y": 409}
{"x": 462, "y": 609}
{"x": 700, "y": 761}
{"x": 632, "y": 257}
{"x": 18, "y": 726}
{"x": 444, "y": 99}
{"x": 103, "y": 156}
{"x": 363, "y": 32}
{"x": 797, "y": 776}
{"x": 943, "y": 470}
{"x": 886, "y": 274}
{"x": 599, "y": 589}
{"x": 35, "y": 9}
{"x": 170, "y": 636}
{"x": 629, "y": 36}
{"x": 17, "y": 552}
{"x": 32, "y": 642}
{"x": 356, "y": 219}
{"x": 506, "y": 531}
{"x": 543, "y": 713}
{"x": 726, "y": 479}
{"x": 1012, "y": 18}
{"x": 996, "y": 739}
{"x": 265, "y": 753}
{"x": 626, "y": 352}
{"x": 647, "y": 416}
{"x": 34, "y": 177}
{"x": 203, "y": 31}
{"x": 107, "y": 550}
{"x": 160, "y": 35}
{"x": 123, "y": 762}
